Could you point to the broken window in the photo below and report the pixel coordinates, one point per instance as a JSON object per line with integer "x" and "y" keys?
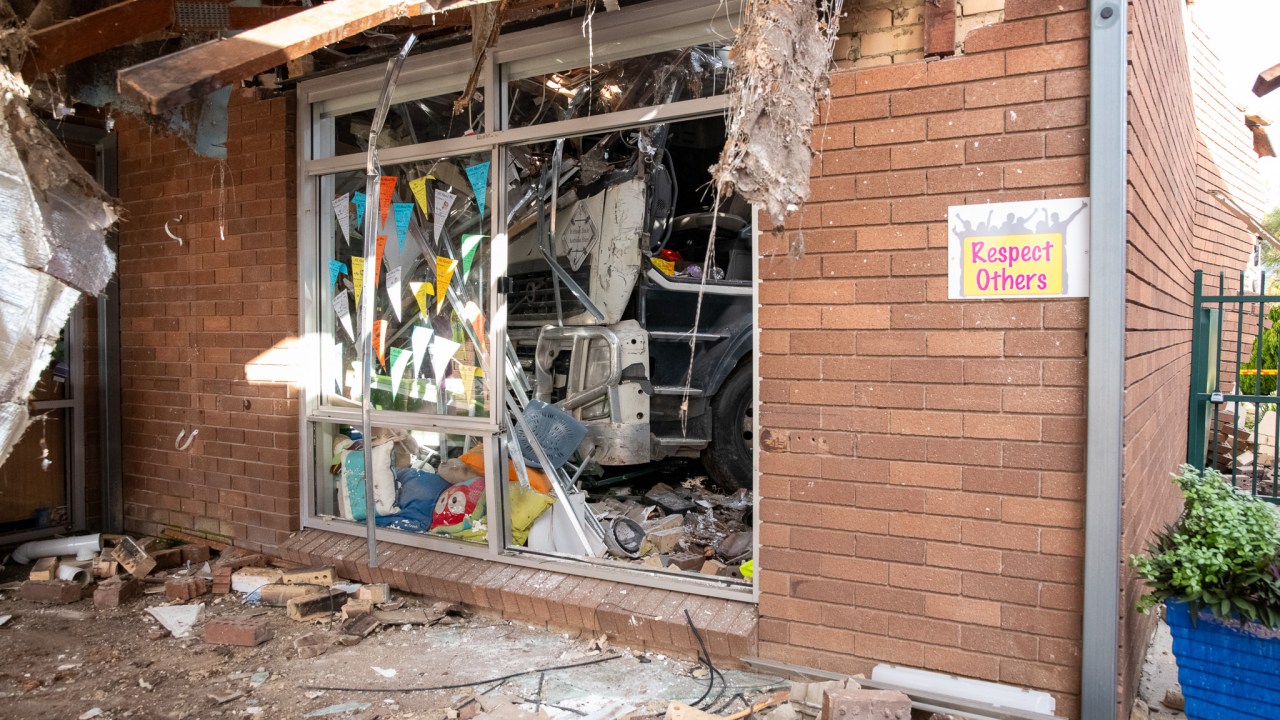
{"x": 564, "y": 308}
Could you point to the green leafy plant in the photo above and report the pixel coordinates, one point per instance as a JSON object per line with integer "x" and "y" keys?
{"x": 1220, "y": 554}
{"x": 1258, "y": 383}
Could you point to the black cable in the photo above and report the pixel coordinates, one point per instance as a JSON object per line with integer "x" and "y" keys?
{"x": 457, "y": 686}
{"x": 705, "y": 657}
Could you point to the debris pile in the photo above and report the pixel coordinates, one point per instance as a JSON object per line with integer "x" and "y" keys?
{"x": 117, "y": 570}
{"x": 689, "y": 528}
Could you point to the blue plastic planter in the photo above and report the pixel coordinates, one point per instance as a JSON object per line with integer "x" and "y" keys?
{"x": 1227, "y": 671}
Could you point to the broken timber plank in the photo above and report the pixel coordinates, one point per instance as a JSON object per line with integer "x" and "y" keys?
{"x": 98, "y": 31}
{"x": 135, "y": 560}
{"x": 173, "y": 80}
{"x": 1267, "y": 81}
{"x": 940, "y": 27}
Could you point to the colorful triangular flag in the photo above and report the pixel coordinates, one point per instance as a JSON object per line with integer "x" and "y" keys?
{"x": 419, "y": 188}
{"x": 421, "y": 290}
{"x": 442, "y": 350}
{"x": 444, "y": 201}
{"x": 357, "y": 276}
{"x": 399, "y": 360}
{"x": 342, "y": 307}
{"x": 444, "y": 273}
{"x": 479, "y": 176}
{"x": 419, "y": 341}
{"x": 359, "y": 199}
{"x": 386, "y": 193}
{"x": 470, "y": 243}
{"x": 342, "y": 208}
{"x": 393, "y": 289}
{"x": 403, "y": 213}
{"x": 336, "y": 268}
{"x": 380, "y": 341}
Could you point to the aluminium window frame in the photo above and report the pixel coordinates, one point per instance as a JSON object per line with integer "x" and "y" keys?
{"x": 630, "y": 27}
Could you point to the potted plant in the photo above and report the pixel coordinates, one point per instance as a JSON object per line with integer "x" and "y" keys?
{"x": 1217, "y": 574}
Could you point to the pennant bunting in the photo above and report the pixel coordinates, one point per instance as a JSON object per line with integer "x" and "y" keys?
{"x": 393, "y": 290}
{"x": 442, "y": 350}
{"x": 359, "y": 199}
{"x": 444, "y": 201}
{"x": 469, "y": 382}
{"x": 380, "y": 341}
{"x": 399, "y": 361}
{"x": 479, "y": 176}
{"x": 336, "y": 269}
{"x": 471, "y": 311}
{"x": 403, "y": 213}
{"x": 386, "y": 193}
{"x": 444, "y": 273}
{"x": 419, "y": 340}
{"x": 377, "y": 257}
{"x": 470, "y": 243}
{"x": 357, "y": 276}
{"x": 421, "y": 290}
{"x": 342, "y": 307}
{"x": 342, "y": 208}
{"x": 419, "y": 188}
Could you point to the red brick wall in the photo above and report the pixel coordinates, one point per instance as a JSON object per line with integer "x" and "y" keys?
{"x": 1185, "y": 139}
{"x": 205, "y": 326}
{"x": 922, "y": 459}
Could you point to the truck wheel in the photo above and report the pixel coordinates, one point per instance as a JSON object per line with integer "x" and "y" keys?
{"x": 728, "y": 458}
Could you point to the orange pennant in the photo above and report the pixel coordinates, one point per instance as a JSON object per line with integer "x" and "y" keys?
{"x": 386, "y": 193}
{"x": 377, "y": 257}
{"x": 379, "y": 341}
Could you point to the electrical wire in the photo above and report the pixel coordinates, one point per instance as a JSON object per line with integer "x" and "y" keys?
{"x": 457, "y": 686}
{"x": 705, "y": 657}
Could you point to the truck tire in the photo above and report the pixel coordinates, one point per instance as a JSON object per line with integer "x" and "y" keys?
{"x": 729, "y": 456}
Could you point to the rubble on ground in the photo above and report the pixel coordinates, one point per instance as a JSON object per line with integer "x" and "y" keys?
{"x": 689, "y": 527}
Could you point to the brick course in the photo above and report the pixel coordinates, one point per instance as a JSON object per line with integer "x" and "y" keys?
{"x": 207, "y": 329}
{"x": 938, "y": 523}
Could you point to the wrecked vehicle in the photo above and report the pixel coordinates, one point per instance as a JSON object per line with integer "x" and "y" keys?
{"x": 630, "y": 298}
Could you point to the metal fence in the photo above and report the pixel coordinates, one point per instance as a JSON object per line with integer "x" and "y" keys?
{"x": 1232, "y": 421}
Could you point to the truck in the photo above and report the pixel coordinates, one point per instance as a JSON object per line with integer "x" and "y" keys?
{"x": 630, "y": 298}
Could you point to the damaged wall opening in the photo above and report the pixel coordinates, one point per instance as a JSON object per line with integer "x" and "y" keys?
{"x": 542, "y": 257}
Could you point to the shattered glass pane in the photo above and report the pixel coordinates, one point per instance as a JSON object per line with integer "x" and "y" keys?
{"x": 664, "y": 77}
{"x": 423, "y": 481}
{"x": 409, "y": 123}
{"x": 430, "y": 332}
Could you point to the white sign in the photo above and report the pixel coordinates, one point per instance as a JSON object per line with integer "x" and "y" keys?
{"x": 1038, "y": 248}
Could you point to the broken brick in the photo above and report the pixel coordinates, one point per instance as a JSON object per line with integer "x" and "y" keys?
{"x": 311, "y": 645}
{"x": 865, "y": 705}
{"x": 194, "y": 553}
{"x": 135, "y": 560}
{"x": 184, "y": 589}
{"x": 245, "y": 632}
{"x": 115, "y": 593}
{"x": 60, "y": 592}
{"x": 167, "y": 559}
{"x": 313, "y": 575}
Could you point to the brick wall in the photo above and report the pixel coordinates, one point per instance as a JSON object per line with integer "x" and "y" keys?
{"x": 887, "y": 32}
{"x": 207, "y": 327}
{"x": 922, "y": 459}
{"x": 1185, "y": 139}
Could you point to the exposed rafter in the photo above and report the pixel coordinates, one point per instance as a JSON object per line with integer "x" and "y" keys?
{"x": 78, "y": 38}
{"x": 173, "y": 80}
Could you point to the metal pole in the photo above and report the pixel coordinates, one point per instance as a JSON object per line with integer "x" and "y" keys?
{"x": 1108, "y": 83}
{"x": 372, "y": 219}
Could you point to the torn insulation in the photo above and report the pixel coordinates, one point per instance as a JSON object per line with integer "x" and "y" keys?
{"x": 781, "y": 62}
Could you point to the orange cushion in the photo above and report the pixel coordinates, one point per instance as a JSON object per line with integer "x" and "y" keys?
{"x": 474, "y": 459}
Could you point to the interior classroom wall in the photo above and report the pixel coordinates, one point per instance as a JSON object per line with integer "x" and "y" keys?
{"x": 922, "y": 459}
{"x": 208, "y": 326}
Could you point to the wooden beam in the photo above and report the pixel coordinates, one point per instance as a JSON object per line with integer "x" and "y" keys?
{"x": 939, "y": 27}
{"x": 88, "y": 35}
{"x": 167, "y": 82}
{"x": 1267, "y": 81}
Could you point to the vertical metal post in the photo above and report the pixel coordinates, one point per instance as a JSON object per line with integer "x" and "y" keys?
{"x": 1108, "y": 122}
{"x": 1199, "y": 377}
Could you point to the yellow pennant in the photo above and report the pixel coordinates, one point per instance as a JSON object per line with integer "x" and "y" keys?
{"x": 357, "y": 276}
{"x": 444, "y": 273}
{"x": 421, "y": 290}
{"x": 419, "y": 188}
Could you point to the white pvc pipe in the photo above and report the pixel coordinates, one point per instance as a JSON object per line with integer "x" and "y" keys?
{"x": 74, "y": 574}
{"x": 82, "y": 546}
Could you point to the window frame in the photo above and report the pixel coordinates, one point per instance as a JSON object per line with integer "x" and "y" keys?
{"x": 683, "y": 21}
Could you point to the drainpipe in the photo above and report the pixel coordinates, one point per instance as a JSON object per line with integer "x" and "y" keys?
{"x": 1104, "y": 465}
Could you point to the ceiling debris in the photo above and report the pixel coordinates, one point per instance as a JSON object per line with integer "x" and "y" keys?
{"x": 486, "y": 21}
{"x": 53, "y": 221}
{"x": 1257, "y": 125}
{"x": 1267, "y": 81}
{"x": 782, "y": 59}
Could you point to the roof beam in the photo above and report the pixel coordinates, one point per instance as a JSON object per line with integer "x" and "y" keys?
{"x": 173, "y": 80}
{"x": 85, "y": 36}
{"x": 1267, "y": 81}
